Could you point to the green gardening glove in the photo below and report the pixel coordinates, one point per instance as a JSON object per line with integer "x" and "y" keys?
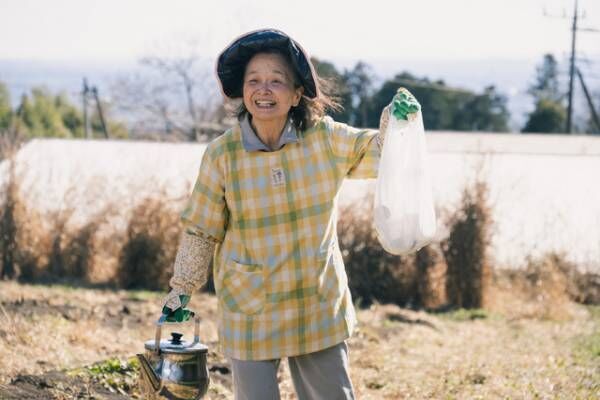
{"x": 180, "y": 314}
{"x": 404, "y": 104}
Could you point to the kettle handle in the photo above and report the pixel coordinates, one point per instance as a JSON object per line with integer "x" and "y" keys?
{"x": 161, "y": 322}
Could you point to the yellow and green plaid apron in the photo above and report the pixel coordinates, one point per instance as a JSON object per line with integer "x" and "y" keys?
{"x": 278, "y": 271}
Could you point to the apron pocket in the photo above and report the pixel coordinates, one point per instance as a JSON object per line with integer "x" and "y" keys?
{"x": 242, "y": 288}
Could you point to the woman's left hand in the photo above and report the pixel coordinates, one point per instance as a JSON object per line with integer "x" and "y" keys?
{"x": 404, "y": 107}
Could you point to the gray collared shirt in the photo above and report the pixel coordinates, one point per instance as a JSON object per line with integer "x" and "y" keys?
{"x": 252, "y": 142}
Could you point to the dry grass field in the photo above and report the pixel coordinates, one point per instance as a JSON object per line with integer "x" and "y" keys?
{"x": 526, "y": 334}
{"x": 58, "y": 342}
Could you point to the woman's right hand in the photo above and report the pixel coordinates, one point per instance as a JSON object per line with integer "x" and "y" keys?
{"x": 174, "y": 307}
{"x": 189, "y": 273}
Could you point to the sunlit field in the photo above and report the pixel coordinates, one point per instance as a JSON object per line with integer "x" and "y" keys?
{"x": 62, "y": 343}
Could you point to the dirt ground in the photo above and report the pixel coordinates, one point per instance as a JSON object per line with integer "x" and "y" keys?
{"x": 58, "y": 342}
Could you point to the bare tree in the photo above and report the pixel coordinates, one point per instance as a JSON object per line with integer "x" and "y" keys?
{"x": 174, "y": 95}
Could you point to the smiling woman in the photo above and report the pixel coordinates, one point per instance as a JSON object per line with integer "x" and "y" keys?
{"x": 265, "y": 204}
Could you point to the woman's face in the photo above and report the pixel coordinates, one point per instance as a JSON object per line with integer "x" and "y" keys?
{"x": 268, "y": 89}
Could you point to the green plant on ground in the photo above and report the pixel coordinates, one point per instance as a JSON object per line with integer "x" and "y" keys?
{"x": 115, "y": 375}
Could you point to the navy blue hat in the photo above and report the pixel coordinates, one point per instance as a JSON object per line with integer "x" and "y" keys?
{"x": 232, "y": 61}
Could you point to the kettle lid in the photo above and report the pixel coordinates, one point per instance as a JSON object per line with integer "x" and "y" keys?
{"x": 176, "y": 345}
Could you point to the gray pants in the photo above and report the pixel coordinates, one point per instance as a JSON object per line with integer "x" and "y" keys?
{"x": 322, "y": 375}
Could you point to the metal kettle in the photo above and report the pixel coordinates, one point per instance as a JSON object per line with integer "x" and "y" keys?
{"x": 174, "y": 368}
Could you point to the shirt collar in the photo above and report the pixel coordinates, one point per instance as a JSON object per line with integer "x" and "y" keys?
{"x": 251, "y": 142}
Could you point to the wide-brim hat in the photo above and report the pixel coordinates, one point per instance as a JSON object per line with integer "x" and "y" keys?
{"x": 231, "y": 63}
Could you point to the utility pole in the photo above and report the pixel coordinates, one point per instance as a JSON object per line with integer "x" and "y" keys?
{"x": 573, "y": 64}
{"x": 86, "y": 118}
{"x": 572, "y": 69}
{"x": 87, "y": 121}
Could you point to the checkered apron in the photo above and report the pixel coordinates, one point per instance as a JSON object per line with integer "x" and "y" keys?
{"x": 278, "y": 271}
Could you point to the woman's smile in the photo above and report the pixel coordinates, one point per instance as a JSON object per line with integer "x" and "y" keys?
{"x": 265, "y": 104}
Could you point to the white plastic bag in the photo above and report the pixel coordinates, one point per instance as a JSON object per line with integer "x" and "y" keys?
{"x": 403, "y": 210}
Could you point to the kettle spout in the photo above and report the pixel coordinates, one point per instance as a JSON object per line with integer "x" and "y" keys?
{"x": 148, "y": 372}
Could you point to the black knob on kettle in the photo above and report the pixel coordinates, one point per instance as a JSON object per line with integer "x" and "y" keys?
{"x": 176, "y": 338}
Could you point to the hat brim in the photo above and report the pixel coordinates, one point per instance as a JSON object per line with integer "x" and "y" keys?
{"x": 231, "y": 63}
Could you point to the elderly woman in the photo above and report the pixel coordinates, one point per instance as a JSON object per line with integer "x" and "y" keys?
{"x": 264, "y": 208}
